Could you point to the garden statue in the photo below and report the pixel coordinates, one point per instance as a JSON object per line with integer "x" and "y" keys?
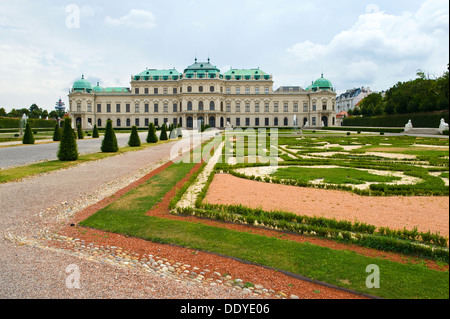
{"x": 408, "y": 125}
{"x": 443, "y": 126}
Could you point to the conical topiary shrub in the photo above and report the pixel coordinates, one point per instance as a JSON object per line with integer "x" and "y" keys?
{"x": 109, "y": 143}
{"x": 57, "y": 133}
{"x": 95, "y": 132}
{"x": 80, "y": 132}
{"x": 151, "y": 136}
{"x": 68, "y": 150}
{"x": 28, "y": 137}
{"x": 163, "y": 136}
{"x": 134, "y": 138}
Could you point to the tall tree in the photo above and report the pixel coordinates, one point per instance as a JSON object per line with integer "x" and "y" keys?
{"x": 109, "y": 142}
{"x": 68, "y": 149}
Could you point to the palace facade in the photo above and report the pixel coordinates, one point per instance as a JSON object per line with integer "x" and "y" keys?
{"x": 202, "y": 94}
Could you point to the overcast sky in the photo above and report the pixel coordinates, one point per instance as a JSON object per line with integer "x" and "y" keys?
{"x": 45, "y": 46}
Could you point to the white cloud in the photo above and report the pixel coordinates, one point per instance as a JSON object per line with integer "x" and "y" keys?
{"x": 382, "y": 46}
{"x": 140, "y": 19}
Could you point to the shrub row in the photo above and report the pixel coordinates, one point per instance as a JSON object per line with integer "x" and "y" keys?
{"x": 365, "y": 129}
{"x": 363, "y": 239}
{"x": 398, "y": 120}
{"x": 6, "y": 122}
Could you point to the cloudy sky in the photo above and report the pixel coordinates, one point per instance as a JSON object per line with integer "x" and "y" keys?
{"x": 46, "y": 45}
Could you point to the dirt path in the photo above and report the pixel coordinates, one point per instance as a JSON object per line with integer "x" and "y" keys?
{"x": 425, "y": 212}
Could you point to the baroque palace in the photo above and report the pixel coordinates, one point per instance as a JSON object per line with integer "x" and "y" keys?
{"x": 202, "y": 94}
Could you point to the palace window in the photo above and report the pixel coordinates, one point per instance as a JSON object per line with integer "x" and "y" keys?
{"x": 247, "y": 107}
{"x": 266, "y": 121}
{"x": 155, "y": 90}
{"x": 174, "y": 90}
{"x": 200, "y": 106}
{"x": 324, "y": 105}
{"x": 314, "y": 107}
{"x": 286, "y": 107}
{"x": 238, "y": 107}
{"x": 165, "y": 91}
{"x": 211, "y": 89}
{"x": 238, "y": 90}
{"x": 166, "y": 108}
{"x": 89, "y": 107}
{"x": 127, "y": 108}
{"x": 175, "y": 107}
{"x": 108, "y": 108}
{"x": 136, "y": 121}
{"x": 117, "y": 108}
{"x": 275, "y": 107}
{"x": 228, "y": 107}
{"x": 247, "y": 121}
{"x": 275, "y": 121}
{"x": 314, "y": 121}
{"x": 305, "y": 107}
{"x": 295, "y": 107}
{"x": 228, "y": 90}
{"x": 118, "y": 123}
{"x": 266, "y": 90}
{"x": 286, "y": 121}
{"x": 266, "y": 107}
{"x": 257, "y": 121}
{"x": 256, "y": 90}
{"x": 136, "y": 108}
{"x": 256, "y": 107}
{"x": 247, "y": 90}
{"x": 155, "y": 108}
{"x": 146, "y": 122}
{"x": 128, "y": 122}
{"x": 136, "y": 90}
{"x": 200, "y": 89}
{"x": 146, "y": 108}
{"x": 211, "y": 106}
{"x": 238, "y": 121}
{"x": 99, "y": 108}
{"x": 189, "y": 88}
{"x": 156, "y": 121}
{"x": 146, "y": 90}
{"x": 99, "y": 122}
{"x": 189, "y": 106}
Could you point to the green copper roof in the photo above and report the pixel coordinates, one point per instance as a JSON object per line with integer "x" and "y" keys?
{"x": 244, "y": 72}
{"x": 97, "y": 88}
{"x": 201, "y": 68}
{"x": 82, "y": 85}
{"x": 320, "y": 84}
{"x": 158, "y": 74}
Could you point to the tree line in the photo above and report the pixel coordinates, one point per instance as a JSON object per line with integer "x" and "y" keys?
{"x": 33, "y": 112}
{"x": 422, "y": 94}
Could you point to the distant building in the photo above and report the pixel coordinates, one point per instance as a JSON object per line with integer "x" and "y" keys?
{"x": 348, "y": 100}
{"x": 202, "y": 94}
{"x": 59, "y": 106}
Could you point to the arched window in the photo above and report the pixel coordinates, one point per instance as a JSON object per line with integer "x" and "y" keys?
{"x": 200, "y": 88}
{"x": 286, "y": 121}
{"x": 275, "y": 121}
{"x": 118, "y": 123}
{"x": 211, "y": 106}
{"x": 200, "y": 106}
{"x": 189, "y": 88}
{"x": 128, "y": 122}
{"x": 189, "y": 106}
{"x": 99, "y": 122}
{"x": 211, "y": 88}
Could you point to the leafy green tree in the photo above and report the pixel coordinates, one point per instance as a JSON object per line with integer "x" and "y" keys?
{"x": 151, "y": 135}
{"x": 109, "y": 143}
{"x": 68, "y": 150}
{"x": 95, "y": 132}
{"x": 28, "y": 137}
{"x": 134, "y": 140}
{"x": 80, "y": 133}
{"x": 2, "y": 111}
{"x": 57, "y": 133}
{"x": 163, "y": 136}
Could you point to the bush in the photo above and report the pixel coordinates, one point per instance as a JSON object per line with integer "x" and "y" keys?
{"x": 134, "y": 140}
{"x": 151, "y": 136}
{"x": 398, "y": 120}
{"x": 57, "y": 133}
{"x": 163, "y": 136}
{"x": 28, "y": 137}
{"x": 95, "y": 132}
{"x": 68, "y": 150}
{"x": 80, "y": 133}
{"x": 109, "y": 143}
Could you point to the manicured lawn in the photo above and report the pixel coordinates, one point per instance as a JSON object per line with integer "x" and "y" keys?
{"x": 342, "y": 268}
{"x": 332, "y": 175}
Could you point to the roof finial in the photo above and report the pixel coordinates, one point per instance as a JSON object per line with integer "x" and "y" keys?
{"x": 322, "y": 75}
{"x": 195, "y": 59}
{"x": 82, "y": 76}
